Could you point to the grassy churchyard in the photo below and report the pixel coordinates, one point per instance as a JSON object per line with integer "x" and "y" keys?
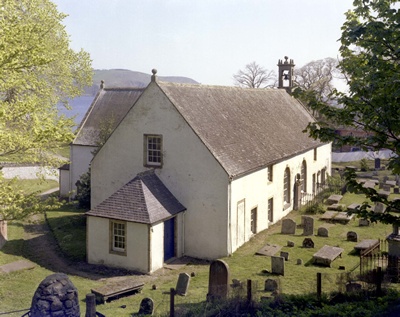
{"x": 68, "y": 227}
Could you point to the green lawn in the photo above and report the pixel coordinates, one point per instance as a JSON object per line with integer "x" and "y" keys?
{"x": 69, "y": 229}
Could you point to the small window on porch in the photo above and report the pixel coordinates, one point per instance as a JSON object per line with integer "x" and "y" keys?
{"x": 270, "y": 173}
{"x": 118, "y": 237}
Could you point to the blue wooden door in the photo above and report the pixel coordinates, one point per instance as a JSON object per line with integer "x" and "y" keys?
{"x": 169, "y": 239}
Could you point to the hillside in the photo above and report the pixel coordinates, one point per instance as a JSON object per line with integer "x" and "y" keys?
{"x": 112, "y": 78}
{"x": 128, "y": 78}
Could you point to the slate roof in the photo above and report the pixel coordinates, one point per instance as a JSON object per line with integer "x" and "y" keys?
{"x": 245, "y": 129}
{"x": 109, "y": 106}
{"x": 145, "y": 199}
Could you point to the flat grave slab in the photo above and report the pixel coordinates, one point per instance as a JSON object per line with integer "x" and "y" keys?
{"x": 114, "y": 291}
{"x": 353, "y": 206}
{"x": 336, "y": 216}
{"x": 269, "y": 250}
{"x": 384, "y": 193}
{"x": 366, "y": 244}
{"x": 369, "y": 184}
{"x": 326, "y": 255}
{"x": 17, "y": 266}
{"x": 333, "y": 199}
{"x": 391, "y": 183}
{"x": 337, "y": 207}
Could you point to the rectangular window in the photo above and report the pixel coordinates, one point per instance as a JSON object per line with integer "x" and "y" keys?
{"x": 253, "y": 224}
{"x": 270, "y": 173}
{"x": 118, "y": 237}
{"x": 153, "y": 150}
{"x": 271, "y": 210}
{"x": 314, "y": 181}
{"x": 315, "y": 154}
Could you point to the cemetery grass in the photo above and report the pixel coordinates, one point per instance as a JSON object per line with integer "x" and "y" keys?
{"x": 18, "y": 287}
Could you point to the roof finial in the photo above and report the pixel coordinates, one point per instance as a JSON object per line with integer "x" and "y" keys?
{"x": 102, "y": 84}
{"x": 154, "y": 77}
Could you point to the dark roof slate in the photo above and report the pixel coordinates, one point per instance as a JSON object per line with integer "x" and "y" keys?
{"x": 109, "y": 107}
{"x": 145, "y": 199}
{"x": 245, "y": 129}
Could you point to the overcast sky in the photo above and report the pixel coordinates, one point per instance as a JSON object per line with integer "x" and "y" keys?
{"x": 206, "y": 40}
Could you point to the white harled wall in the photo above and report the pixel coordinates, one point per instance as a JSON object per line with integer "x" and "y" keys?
{"x": 189, "y": 171}
{"x": 255, "y": 190}
{"x": 80, "y": 157}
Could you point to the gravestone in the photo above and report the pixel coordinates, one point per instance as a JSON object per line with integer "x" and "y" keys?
{"x": 386, "y": 187}
{"x": 396, "y": 190}
{"x": 308, "y": 243}
{"x": 278, "y": 265}
{"x": 285, "y": 255}
{"x": 182, "y": 285}
{"x": 288, "y": 226}
{"x": 308, "y": 225}
{"x": 380, "y": 185}
{"x": 334, "y": 199}
{"x": 55, "y": 296}
{"x": 299, "y": 262}
{"x": 271, "y": 285}
{"x": 379, "y": 208}
{"x": 363, "y": 222}
{"x": 352, "y": 236}
{"x": 218, "y": 283}
{"x": 146, "y": 306}
{"x": 290, "y": 244}
{"x": 385, "y": 178}
{"x": 322, "y": 232}
{"x": 377, "y": 163}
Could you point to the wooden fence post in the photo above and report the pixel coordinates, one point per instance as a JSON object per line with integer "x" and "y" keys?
{"x": 90, "y": 305}
{"x": 319, "y": 285}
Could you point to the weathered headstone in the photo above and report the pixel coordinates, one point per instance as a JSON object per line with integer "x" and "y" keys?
{"x": 322, "y": 232}
{"x": 386, "y": 187}
{"x": 146, "y": 306}
{"x": 288, "y": 226}
{"x": 352, "y": 236}
{"x": 308, "y": 225}
{"x": 308, "y": 243}
{"x": 278, "y": 265}
{"x": 182, "y": 285}
{"x": 379, "y": 208}
{"x": 218, "y": 283}
{"x": 299, "y": 262}
{"x": 290, "y": 244}
{"x": 285, "y": 255}
{"x": 377, "y": 163}
{"x": 363, "y": 222}
{"x": 271, "y": 285}
{"x": 55, "y": 296}
{"x": 396, "y": 190}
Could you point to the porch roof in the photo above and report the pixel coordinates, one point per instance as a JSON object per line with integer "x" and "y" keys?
{"x": 145, "y": 199}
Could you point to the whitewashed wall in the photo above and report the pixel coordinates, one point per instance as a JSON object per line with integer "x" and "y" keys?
{"x": 189, "y": 171}
{"x": 137, "y": 245}
{"x": 255, "y": 190}
{"x": 80, "y": 157}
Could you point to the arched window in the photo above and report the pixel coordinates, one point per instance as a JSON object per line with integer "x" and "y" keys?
{"x": 304, "y": 176}
{"x": 286, "y": 186}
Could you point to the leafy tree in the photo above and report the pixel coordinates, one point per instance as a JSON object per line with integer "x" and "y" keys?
{"x": 370, "y": 50}
{"x": 17, "y": 205}
{"x": 255, "y": 76}
{"x": 83, "y": 190}
{"x": 38, "y": 70}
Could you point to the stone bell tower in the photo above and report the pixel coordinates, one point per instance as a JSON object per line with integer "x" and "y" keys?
{"x": 285, "y": 74}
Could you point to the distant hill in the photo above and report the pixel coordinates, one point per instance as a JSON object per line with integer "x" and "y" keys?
{"x": 128, "y": 78}
{"x": 112, "y": 78}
